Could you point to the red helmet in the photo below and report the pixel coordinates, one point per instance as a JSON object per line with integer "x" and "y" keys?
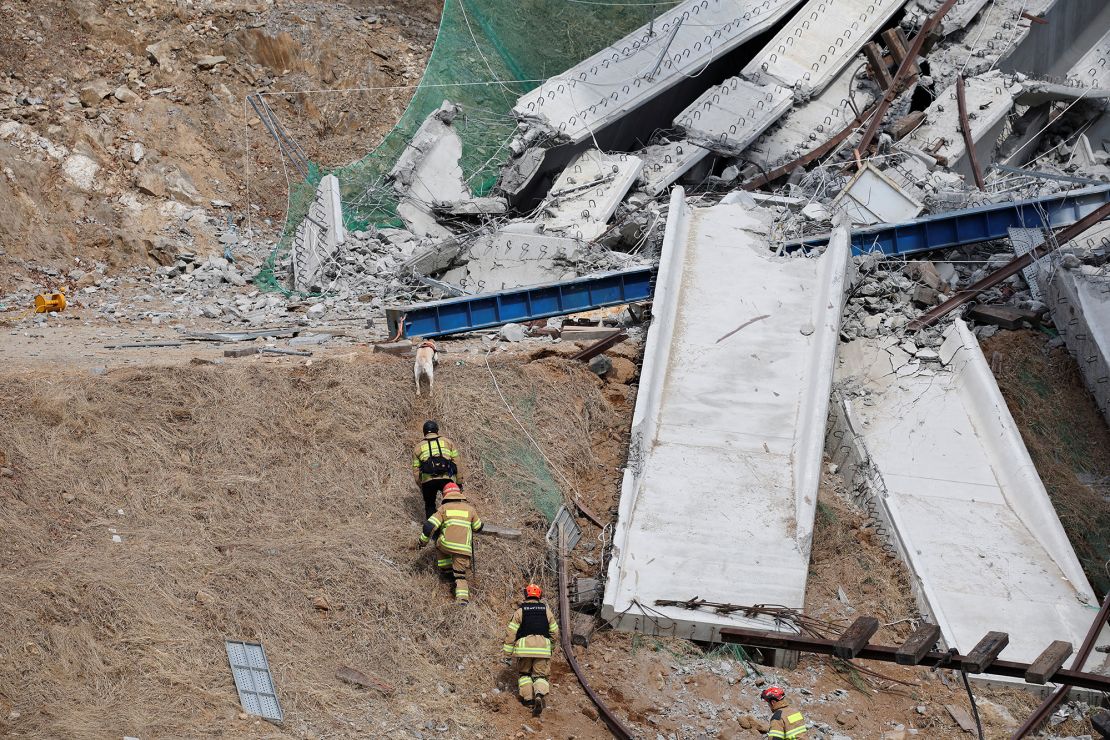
{"x": 532, "y": 591}
{"x": 772, "y": 693}
{"x": 452, "y": 490}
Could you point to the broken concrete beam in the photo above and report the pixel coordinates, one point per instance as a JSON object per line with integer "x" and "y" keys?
{"x": 586, "y": 194}
{"x": 901, "y": 128}
{"x": 1093, "y": 70}
{"x": 585, "y": 593}
{"x": 615, "y": 83}
{"x": 509, "y": 259}
{"x": 519, "y": 172}
{"x": 428, "y": 169}
{"x": 419, "y": 220}
{"x": 820, "y": 39}
{"x": 241, "y": 352}
{"x": 582, "y": 629}
{"x": 927, "y": 273}
{"x": 1004, "y": 317}
{"x": 475, "y": 207}
{"x": 588, "y": 333}
{"x": 318, "y": 237}
{"x": 504, "y": 533}
{"x": 665, "y": 163}
{"x": 990, "y": 97}
{"x": 434, "y": 259}
{"x": 395, "y": 348}
{"x": 728, "y": 117}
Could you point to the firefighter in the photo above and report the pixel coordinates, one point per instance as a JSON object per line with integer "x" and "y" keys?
{"x": 787, "y": 723}
{"x": 455, "y": 523}
{"x": 435, "y": 463}
{"x": 528, "y": 638}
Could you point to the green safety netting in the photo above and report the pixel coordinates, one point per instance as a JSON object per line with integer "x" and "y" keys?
{"x": 515, "y": 42}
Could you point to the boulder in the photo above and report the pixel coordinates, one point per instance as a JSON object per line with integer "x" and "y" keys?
{"x": 91, "y": 93}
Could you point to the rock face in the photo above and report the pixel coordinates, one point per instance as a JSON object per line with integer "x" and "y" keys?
{"x": 168, "y": 181}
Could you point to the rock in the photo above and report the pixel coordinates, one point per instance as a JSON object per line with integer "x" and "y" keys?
{"x": 167, "y": 180}
{"x": 321, "y": 603}
{"x": 80, "y": 171}
{"x": 211, "y": 311}
{"x": 6, "y": 473}
{"x": 204, "y": 597}
{"x": 91, "y": 93}
{"x": 136, "y": 152}
{"x": 512, "y": 333}
{"x": 124, "y": 94}
{"x": 847, "y": 719}
{"x": 621, "y": 371}
{"x": 161, "y": 54}
{"x": 601, "y": 365}
{"x": 928, "y": 355}
{"x": 816, "y": 212}
{"x": 208, "y": 61}
{"x": 924, "y": 296}
{"x": 920, "y": 709}
{"x": 317, "y": 309}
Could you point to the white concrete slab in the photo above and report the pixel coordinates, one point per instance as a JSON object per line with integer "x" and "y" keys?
{"x": 873, "y": 198}
{"x": 646, "y": 63}
{"x": 818, "y": 41}
{"x": 989, "y": 97}
{"x": 720, "y": 490}
{"x": 1079, "y": 299}
{"x": 808, "y": 125}
{"x": 428, "y": 170}
{"x": 511, "y": 260}
{"x": 1093, "y": 68}
{"x": 728, "y": 117}
{"x": 586, "y": 194}
{"x": 665, "y": 163}
{"x": 959, "y": 16}
{"x": 944, "y": 465}
{"x": 319, "y": 236}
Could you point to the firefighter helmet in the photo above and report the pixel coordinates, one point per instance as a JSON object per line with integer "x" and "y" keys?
{"x": 532, "y": 591}
{"x": 452, "y": 490}
{"x": 772, "y": 693}
{"x": 430, "y": 427}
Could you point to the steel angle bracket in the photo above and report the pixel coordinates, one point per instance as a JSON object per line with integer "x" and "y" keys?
{"x": 253, "y": 681}
{"x": 563, "y": 518}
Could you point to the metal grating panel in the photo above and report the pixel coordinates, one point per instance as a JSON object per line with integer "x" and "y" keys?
{"x": 574, "y": 532}
{"x": 1023, "y": 241}
{"x": 253, "y": 680}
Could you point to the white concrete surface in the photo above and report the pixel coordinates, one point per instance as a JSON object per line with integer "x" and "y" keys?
{"x": 720, "y": 491}
{"x": 1093, "y": 68}
{"x": 319, "y": 235}
{"x": 728, "y": 117}
{"x": 944, "y": 467}
{"x": 989, "y": 100}
{"x": 623, "y": 77}
{"x": 428, "y": 170}
{"x": 871, "y": 197}
{"x": 959, "y": 16}
{"x": 808, "y": 125}
{"x": 1079, "y": 299}
{"x": 818, "y": 41}
{"x": 665, "y": 163}
{"x": 586, "y": 194}
{"x": 511, "y": 260}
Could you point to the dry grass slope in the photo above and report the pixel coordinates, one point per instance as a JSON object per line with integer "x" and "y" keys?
{"x": 263, "y": 487}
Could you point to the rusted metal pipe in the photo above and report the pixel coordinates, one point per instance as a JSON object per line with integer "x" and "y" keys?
{"x": 615, "y": 725}
{"x": 1010, "y": 269}
{"x": 905, "y": 69}
{"x": 965, "y": 127}
{"x": 1050, "y": 703}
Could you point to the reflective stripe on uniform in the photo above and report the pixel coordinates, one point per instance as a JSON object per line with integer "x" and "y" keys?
{"x": 776, "y": 734}
{"x": 514, "y": 626}
{"x": 476, "y": 524}
{"x": 795, "y": 732}
{"x": 796, "y": 717}
{"x": 524, "y": 681}
{"x": 461, "y": 549}
{"x": 444, "y": 562}
{"x": 507, "y": 649}
{"x": 524, "y": 651}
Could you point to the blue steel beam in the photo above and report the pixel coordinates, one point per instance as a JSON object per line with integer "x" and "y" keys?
{"x": 457, "y": 315}
{"x": 970, "y": 226}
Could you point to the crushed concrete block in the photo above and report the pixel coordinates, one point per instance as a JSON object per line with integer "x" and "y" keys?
{"x": 601, "y": 365}
{"x": 511, "y": 260}
{"x": 428, "y": 169}
{"x": 512, "y": 333}
{"x": 420, "y": 221}
{"x": 1005, "y": 317}
{"x": 395, "y": 348}
{"x": 586, "y": 194}
{"x": 665, "y": 163}
{"x": 923, "y": 296}
{"x": 927, "y": 273}
{"x": 519, "y": 172}
{"x": 873, "y": 198}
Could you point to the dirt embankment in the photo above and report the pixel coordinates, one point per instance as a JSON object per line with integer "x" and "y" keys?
{"x": 121, "y": 123}
{"x": 271, "y": 503}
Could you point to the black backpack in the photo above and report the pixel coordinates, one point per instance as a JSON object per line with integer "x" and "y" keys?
{"x": 437, "y": 465}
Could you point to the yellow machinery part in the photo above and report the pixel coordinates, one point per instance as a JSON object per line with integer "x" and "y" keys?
{"x": 55, "y": 302}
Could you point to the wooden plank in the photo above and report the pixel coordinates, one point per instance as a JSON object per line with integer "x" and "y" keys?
{"x": 963, "y": 719}
{"x": 985, "y": 653}
{"x": 1004, "y": 317}
{"x": 896, "y": 43}
{"x": 877, "y": 65}
{"x": 917, "y": 644}
{"x": 856, "y": 637}
{"x": 1048, "y": 662}
{"x": 241, "y": 352}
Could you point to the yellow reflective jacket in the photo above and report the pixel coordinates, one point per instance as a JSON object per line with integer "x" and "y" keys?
{"x": 533, "y": 645}
{"x": 787, "y": 723}
{"x": 435, "y": 444}
{"x": 455, "y": 522}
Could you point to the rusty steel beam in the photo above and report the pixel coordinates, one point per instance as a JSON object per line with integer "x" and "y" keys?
{"x": 599, "y": 346}
{"x": 611, "y": 720}
{"x": 885, "y": 653}
{"x": 965, "y": 128}
{"x": 905, "y": 70}
{"x": 1010, "y": 269}
{"x": 1053, "y": 700}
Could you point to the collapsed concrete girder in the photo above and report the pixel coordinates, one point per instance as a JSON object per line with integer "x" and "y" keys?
{"x": 318, "y": 236}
